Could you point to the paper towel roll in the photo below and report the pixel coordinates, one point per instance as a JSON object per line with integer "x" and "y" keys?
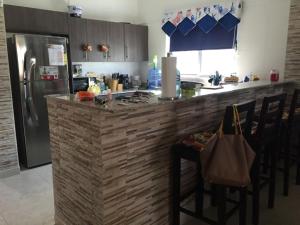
{"x": 168, "y": 79}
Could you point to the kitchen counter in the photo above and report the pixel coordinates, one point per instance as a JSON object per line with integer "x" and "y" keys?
{"x": 112, "y": 165}
{"x": 155, "y": 99}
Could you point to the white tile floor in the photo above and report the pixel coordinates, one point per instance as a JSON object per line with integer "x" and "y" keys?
{"x": 27, "y": 199}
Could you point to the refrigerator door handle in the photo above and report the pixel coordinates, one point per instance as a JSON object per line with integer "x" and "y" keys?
{"x": 29, "y": 73}
{"x": 29, "y": 63}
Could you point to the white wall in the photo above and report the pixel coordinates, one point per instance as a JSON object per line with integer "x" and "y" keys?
{"x": 262, "y": 34}
{"x": 130, "y": 68}
{"x": 111, "y": 10}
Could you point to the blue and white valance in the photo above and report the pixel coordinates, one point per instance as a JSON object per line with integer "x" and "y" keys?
{"x": 227, "y": 14}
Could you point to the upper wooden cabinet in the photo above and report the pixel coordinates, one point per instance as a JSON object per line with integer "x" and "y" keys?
{"x": 29, "y": 20}
{"x": 96, "y": 35}
{"x": 115, "y": 40}
{"x": 105, "y": 33}
{"x": 77, "y": 38}
{"x": 130, "y": 42}
{"x": 136, "y": 43}
{"x": 127, "y": 42}
{"x": 142, "y": 43}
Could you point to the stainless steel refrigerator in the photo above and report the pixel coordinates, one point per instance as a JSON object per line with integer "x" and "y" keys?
{"x": 38, "y": 67}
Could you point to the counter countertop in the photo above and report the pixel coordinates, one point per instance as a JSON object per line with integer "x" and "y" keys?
{"x": 155, "y": 99}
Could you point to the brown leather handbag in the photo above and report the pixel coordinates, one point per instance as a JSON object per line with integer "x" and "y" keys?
{"x": 227, "y": 159}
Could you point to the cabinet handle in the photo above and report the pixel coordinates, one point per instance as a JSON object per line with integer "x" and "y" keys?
{"x": 126, "y": 52}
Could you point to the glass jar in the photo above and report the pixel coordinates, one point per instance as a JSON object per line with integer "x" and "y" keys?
{"x": 274, "y": 75}
{"x": 136, "y": 82}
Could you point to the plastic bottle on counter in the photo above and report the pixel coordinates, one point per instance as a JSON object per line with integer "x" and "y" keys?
{"x": 154, "y": 79}
{"x": 154, "y": 75}
{"x": 178, "y": 83}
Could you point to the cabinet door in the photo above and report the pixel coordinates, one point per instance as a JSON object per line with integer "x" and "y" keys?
{"x": 97, "y": 35}
{"x": 115, "y": 40}
{"x": 15, "y": 18}
{"x": 130, "y": 43}
{"x": 29, "y": 20}
{"x": 142, "y": 43}
{"x": 78, "y": 37}
{"x": 136, "y": 43}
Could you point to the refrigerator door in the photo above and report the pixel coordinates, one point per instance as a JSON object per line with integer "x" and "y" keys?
{"x": 35, "y": 118}
{"x": 34, "y": 61}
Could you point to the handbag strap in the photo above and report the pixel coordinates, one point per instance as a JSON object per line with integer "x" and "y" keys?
{"x": 237, "y": 121}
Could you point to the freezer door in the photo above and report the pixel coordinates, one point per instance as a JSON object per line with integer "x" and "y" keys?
{"x": 46, "y": 51}
{"x": 35, "y": 118}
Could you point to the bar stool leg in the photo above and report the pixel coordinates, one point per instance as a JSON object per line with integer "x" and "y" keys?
{"x": 243, "y": 206}
{"x": 213, "y": 199}
{"x": 298, "y": 168}
{"x": 286, "y": 175}
{"x": 256, "y": 189}
{"x": 272, "y": 185}
{"x": 221, "y": 199}
{"x": 266, "y": 161}
{"x": 298, "y": 175}
{"x": 199, "y": 191}
{"x": 298, "y": 161}
{"x": 176, "y": 187}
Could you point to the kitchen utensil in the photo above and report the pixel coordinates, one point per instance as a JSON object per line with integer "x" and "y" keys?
{"x": 120, "y": 87}
{"x": 114, "y": 85}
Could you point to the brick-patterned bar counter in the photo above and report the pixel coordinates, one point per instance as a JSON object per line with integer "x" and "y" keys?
{"x": 112, "y": 166}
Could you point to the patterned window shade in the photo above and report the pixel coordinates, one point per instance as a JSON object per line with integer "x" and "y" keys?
{"x": 206, "y": 27}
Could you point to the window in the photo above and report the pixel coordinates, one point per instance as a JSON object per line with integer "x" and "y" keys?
{"x": 223, "y": 61}
{"x": 206, "y": 62}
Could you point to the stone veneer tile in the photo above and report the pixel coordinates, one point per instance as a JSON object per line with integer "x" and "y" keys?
{"x": 8, "y": 150}
{"x": 292, "y": 69}
{"x": 115, "y": 168}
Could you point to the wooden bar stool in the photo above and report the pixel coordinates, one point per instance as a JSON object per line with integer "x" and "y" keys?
{"x": 265, "y": 141}
{"x": 290, "y": 131}
{"x": 181, "y": 151}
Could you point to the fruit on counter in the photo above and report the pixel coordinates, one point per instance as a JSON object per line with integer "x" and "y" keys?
{"x": 95, "y": 89}
{"x": 255, "y": 77}
{"x": 85, "y": 96}
{"x": 231, "y": 79}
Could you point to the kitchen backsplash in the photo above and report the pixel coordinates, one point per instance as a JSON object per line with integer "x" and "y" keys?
{"x": 130, "y": 68}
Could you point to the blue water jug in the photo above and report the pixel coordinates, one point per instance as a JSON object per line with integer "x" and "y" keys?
{"x": 154, "y": 79}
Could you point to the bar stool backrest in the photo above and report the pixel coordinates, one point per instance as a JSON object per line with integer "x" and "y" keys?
{"x": 271, "y": 115}
{"x": 246, "y": 112}
{"x": 295, "y": 105}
